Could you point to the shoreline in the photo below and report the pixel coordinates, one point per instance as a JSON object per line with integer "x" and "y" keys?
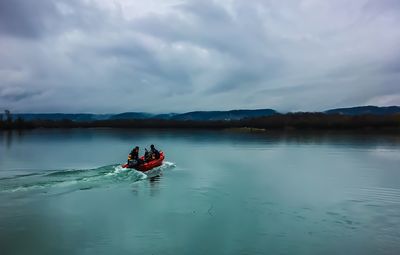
{"x": 232, "y": 130}
{"x": 287, "y": 122}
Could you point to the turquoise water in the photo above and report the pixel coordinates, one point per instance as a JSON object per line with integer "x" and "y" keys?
{"x": 219, "y": 192}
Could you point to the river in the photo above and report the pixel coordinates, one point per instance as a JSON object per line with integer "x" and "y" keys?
{"x": 218, "y": 192}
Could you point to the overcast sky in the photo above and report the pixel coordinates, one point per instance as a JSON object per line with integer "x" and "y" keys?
{"x": 106, "y": 56}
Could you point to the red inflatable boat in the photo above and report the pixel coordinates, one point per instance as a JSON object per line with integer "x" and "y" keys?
{"x": 148, "y": 165}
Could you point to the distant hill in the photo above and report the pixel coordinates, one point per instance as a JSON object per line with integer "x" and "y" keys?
{"x": 224, "y": 115}
{"x": 131, "y": 116}
{"x": 196, "y": 116}
{"x": 362, "y": 110}
{"x": 164, "y": 116}
{"x": 61, "y": 116}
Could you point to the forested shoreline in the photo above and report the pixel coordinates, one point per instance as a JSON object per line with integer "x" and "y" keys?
{"x": 290, "y": 121}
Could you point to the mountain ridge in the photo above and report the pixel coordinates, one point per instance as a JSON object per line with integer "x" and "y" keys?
{"x": 237, "y": 114}
{"x": 364, "y": 110}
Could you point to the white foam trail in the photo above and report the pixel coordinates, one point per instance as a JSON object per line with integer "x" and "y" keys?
{"x": 142, "y": 175}
{"x": 69, "y": 178}
{"x": 24, "y": 189}
{"x": 168, "y": 164}
{"x": 117, "y": 169}
{"x": 158, "y": 170}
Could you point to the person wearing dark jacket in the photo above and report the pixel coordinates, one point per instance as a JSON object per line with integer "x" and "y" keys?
{"x": 134, "y": 153}
{"x": 155, "y": 154}
{"x": 133, "y": 157}
{"x": 147, "y": 156}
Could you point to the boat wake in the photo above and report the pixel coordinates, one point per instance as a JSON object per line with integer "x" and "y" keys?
{"x": 77, "y": 179}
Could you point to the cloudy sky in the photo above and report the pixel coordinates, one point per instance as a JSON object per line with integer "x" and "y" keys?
{"x": 107, "y": 56}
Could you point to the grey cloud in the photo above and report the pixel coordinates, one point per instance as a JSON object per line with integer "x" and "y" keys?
{"x": 143, "y": 63}
{"x": 33, "y": 19}
{"x": 25, "y": 18}
{"x": 206, "y": 10}
{"x": 16, "y": 94}
{"x": 205, "y": 24}
{"x": 382, "y": 6}
{"x": 290, "y": 55}
{"x": 215, "y": 30}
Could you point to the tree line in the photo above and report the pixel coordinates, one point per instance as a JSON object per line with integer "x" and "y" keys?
{"x": 289, "y": 121}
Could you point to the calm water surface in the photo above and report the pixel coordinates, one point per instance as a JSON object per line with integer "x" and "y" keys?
{"x": 219, "y": 192}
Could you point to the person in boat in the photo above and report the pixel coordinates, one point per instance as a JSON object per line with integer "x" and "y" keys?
{"x": 155, "y": 154}
{"x": 133, "y": 157}
{"x": 147, "y": 157}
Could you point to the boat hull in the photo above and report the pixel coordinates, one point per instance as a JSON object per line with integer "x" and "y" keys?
{"x": 148, "y": 165}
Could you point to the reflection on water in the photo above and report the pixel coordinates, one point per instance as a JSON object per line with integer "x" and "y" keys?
{"x": 64, "y": 192}
{"x": 306, "y": 137}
